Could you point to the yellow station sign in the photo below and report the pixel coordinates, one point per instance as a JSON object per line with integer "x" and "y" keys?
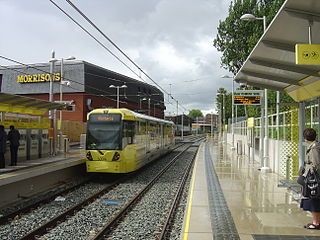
{"x": 308, "y": 54}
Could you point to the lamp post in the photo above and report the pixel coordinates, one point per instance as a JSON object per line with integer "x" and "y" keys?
{"x": 52, "y": 115}
{"x": 149, "y": 99}
{"x": 250, "y": 17}
{"x": 222, "y": 113}
{"x": 154, "y": 108}
{"x": 118, "y": 87}
{"x": 66, "y": 83}
{"x": 232, "y": 110}
{"x": 211, "y": 121}
{"x": 140, "y": 102}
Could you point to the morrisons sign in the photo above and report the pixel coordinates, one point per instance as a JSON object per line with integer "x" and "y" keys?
{"x": 38, "y": 78}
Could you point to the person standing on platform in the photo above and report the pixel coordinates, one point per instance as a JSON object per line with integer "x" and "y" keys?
{"x": 3, "y": 144}
{"x": 312, "y": 162}
{"x": 14, "y": 137}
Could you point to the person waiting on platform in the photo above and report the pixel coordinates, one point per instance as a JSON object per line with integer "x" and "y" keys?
{"x": 312, "y": 161}
{"x": 14, "y": 137}
{"x": 3, "y": 144}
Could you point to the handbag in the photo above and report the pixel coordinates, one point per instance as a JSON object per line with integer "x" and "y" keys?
{"x": 310, "y": 184}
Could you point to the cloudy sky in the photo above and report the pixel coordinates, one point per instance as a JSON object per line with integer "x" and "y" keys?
{"x": 171, "y": 40}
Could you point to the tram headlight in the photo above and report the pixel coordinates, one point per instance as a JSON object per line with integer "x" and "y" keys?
{"x": 89, "y": 156}
{"x": 116, "y": 156}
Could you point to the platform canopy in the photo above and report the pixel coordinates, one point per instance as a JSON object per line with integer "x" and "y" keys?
{"x": 271, "y": 64}
{"x": 9, "y": 102}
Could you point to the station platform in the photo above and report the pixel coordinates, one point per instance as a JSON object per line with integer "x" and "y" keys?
{"x": 75, "y": 155}
{"x": 230, "y": 198}
{"x": 31, "y": 177}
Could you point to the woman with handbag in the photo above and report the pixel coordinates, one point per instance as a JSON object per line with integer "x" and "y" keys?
{"x": 311, "y": 163}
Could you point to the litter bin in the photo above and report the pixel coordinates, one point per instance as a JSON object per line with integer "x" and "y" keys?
{"x": 239, "y": 147}
{"x": 83, "y": 141}
{"x": 66, "y": 142}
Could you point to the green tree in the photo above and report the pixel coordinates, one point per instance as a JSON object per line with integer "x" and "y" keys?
{"x": 194, "y": 113}
{"x": 237, "y": 38}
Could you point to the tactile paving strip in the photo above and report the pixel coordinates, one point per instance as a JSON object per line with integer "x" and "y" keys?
{"x": 284, "y": 237}
{"x": 223, "y": 227}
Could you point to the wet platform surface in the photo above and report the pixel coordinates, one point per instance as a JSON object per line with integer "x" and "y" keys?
{"x": 231, "y": 199}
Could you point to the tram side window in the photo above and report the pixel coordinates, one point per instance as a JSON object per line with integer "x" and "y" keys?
{"x": 128, "y": 131}
{"x": 142, "y": 128}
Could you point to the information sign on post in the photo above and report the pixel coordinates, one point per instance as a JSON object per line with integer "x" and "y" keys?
{"x": 247, "y": 100}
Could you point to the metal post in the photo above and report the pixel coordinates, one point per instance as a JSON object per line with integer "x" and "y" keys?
{"x": 177, "y": 108}
{"x": 310, "y": 31}
{"x": 284, "y": 127}
{"x": 182, "y": 126}
{"x": 236, "y": 120}
{"x": 118, "y": 92}
{"x": 301, "y": 124}
{"x": 197, "y": 126}
{"x": 52, "y": 112}
{"x": 318, "y": 118}
{"x": 224, "y": 110}
{"x": 149, "y": 106}
{"x": 232, "y": 116}
{"x": 60, "y": 127}
{"x": 264, "y": 23}
{"x": 278, "y": 115}
{"x": 261, "y": 145}
{"x": 311, "y": 116}
{"x": 211, "y": 134}
{"x": 265, "y": 167}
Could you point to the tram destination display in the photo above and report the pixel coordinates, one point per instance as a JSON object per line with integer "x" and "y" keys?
{"x": 247, "y": 100}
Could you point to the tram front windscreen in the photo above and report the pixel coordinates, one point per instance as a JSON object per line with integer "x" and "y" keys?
{"x": 103, "y": 132}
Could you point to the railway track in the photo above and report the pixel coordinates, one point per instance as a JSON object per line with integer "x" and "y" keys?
{"x": 60, "y": 219}
{"x": 110, "y": 227}
{"x": 19, "y": 211}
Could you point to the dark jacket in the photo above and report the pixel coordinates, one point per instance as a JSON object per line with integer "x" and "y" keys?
{"x": 14, "y": 137}
{"x": 3, "y": 141}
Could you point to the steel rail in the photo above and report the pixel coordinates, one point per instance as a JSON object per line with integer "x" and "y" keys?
{"x": 46, "y": 227}
{"x": 41, "y": 230}
{"x": 7, "y": 218}
{"x": 176, "y": 201}
{"x": 110, "y": 224}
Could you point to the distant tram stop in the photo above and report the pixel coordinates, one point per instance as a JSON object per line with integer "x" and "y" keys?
{"x": 30, "y": 117}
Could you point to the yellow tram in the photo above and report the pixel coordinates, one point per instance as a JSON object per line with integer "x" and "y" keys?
{"x": 122, "y": 141}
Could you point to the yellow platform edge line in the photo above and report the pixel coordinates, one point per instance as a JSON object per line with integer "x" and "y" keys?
{"x": 186, "y": 228}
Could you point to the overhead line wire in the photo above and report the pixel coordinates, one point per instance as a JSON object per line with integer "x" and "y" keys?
{"x": 100, "y": 43}
{"x": 103, "y": 34}
{"x": 115, "y": 45}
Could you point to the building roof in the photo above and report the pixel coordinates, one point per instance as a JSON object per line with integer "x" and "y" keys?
{"x": 272, "y": 65}
{"x": 9, "y": 102}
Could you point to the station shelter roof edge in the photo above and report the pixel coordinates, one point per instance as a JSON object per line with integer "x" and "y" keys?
{"x": 9, "y": 101}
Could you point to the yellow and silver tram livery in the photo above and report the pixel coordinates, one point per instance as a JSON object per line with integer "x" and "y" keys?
{"x": 122, "y": 141}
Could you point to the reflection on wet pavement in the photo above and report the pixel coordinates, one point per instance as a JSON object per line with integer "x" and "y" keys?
{"x": 256, "y": 202}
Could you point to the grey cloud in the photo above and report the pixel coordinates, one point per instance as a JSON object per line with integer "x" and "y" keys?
{"x": 33, "y": 28}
